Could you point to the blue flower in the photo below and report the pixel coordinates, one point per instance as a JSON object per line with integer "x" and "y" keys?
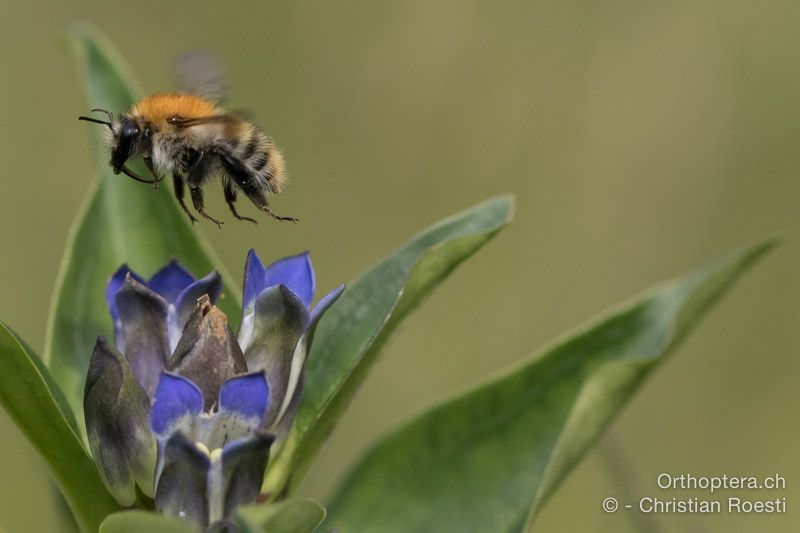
{"x": 209, "y": 461}
{"x": 182, "y": 409}
{"x": 149, "y": 316}
{"x": 278, "y": 326}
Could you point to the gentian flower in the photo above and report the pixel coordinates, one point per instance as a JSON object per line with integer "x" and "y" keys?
{"x": 210, "y": 459}
{"x": 278, "y": 327}
{"x": 149, "y": 316}
{"x": 189, "y": 413}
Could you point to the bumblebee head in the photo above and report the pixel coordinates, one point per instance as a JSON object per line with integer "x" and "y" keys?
{"x": 126, "y": 136}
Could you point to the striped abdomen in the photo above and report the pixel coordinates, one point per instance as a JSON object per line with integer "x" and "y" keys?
{"x": 256, "y": 152}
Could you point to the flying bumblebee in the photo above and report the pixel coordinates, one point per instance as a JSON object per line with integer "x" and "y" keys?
{"x": 188, "y": 135}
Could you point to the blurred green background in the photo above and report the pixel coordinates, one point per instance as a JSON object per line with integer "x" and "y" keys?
{"x": 641, "y": 139}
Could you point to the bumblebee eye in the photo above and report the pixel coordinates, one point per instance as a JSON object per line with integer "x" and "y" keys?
{"x": 126, "y": 140}
{"x": 129, "y": 130}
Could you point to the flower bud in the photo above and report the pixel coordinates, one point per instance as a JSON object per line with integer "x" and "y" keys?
{"x": 207, "y": 353}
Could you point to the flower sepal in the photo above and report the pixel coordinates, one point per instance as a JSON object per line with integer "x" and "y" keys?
{"x": 116, "y": 410}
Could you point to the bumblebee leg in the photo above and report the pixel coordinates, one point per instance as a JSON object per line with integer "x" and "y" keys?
{"x": 230, "y": 197}
{"x": 198, "y": 168}
{"x": 177, "y": 185}
{"x": 148, "y": 162}
{"x": 197, "y": 200}
{"x": 247, "y": 183}
{"x": 264, "y": 206}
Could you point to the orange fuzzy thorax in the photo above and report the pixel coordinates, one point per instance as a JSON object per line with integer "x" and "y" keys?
{"x": 157, "y": 108}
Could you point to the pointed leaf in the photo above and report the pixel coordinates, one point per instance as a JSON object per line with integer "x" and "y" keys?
{"x": 31, "y": 399}
{"x": 488, "y": 459}
{"x": 290, "y": 516}
{"x": 353, "y": 331}
{"x": 122, "y": 221}
{"x": 138, "y": 521}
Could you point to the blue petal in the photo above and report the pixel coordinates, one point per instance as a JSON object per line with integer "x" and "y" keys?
{"x": 170, "y": 281}
{"x": 242, "y": 407}
{"x": 254, "y": 274}
{"x": 324, "y": 303}
{"x": 296, "y": 273}
{"x": 176, "y": 398}
{"x": 247, "y": 395}
{"x": 115, "y": 283}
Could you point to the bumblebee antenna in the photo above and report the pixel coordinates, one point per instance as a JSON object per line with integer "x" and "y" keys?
{"x": 98, "y": 121}
{"x": 107, "y": 112}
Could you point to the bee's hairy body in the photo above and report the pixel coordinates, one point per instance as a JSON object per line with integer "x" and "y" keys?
{"x": 173, "y": 145}
{"x": 194, "y": 140}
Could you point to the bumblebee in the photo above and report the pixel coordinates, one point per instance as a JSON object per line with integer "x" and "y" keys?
{"x": 187, "y": 135}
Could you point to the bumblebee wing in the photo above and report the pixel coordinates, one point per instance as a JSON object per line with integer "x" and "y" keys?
{"x": 202, "y": 73}
{"x": 189, "y": 122}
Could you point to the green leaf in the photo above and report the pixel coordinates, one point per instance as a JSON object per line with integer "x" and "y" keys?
{"x": 29, "y": 397}
{"x": 289, "y": 516}
{"x": 353, "y": 331}
{"x": 122, "y": 221}
{"x": 488, "y": 459}
{"x": 143, "y": 521}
